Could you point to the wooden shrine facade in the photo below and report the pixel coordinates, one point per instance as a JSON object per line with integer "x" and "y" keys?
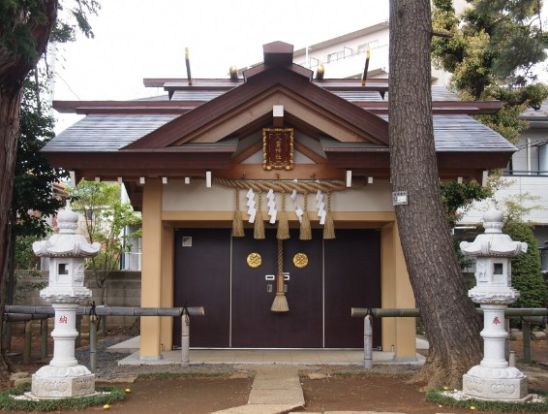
{"x": 274, "y": 147}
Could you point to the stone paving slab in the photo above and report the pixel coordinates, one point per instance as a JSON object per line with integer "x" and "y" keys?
{"x": 268, "y": 357}
{"x": 293, "y": 397}
{"x": 275, "y": 389}
{"x": 258, "y": 409}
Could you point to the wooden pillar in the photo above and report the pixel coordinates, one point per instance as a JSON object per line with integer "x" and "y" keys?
{"x": 151, "y": 269}
{"x": 396, "y": 293}
{"x": 166, "y": 338}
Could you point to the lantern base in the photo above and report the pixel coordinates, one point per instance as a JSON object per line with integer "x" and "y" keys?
{"x": 500, "y": 384}
{"x": 51, "y": 383}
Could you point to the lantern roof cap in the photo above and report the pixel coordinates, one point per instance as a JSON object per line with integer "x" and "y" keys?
{"x": 493, "y": 243}
{"x": 66, "y": 243}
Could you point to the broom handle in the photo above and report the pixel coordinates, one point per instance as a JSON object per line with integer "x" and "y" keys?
{"x": 280, "y": 276}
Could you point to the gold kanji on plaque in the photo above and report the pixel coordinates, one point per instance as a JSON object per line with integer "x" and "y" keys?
{"x": 278, "y": 148}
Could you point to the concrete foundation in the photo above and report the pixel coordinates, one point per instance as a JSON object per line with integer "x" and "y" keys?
{"x": 56, "y": 383}
{"x": 497, "y": 389}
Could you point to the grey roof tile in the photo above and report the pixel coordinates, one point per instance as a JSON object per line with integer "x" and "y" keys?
{"x": 111, "y": 132}
{"x": 454, "y": 133}
{"x": 106, "y": 132}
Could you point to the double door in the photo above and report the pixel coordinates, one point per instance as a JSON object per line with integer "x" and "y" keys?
{"x": 323, "y": 280}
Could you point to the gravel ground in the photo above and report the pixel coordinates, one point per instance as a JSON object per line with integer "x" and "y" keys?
{"x": 107, "y": 368}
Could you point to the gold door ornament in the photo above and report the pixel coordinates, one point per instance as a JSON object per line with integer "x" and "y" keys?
{"x": 254, "y": 260}
{"x": 300, "y": 260}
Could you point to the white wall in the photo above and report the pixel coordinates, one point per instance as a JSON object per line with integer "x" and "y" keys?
{"x": 195, "y": 197}
{"x": 515, "y": 188}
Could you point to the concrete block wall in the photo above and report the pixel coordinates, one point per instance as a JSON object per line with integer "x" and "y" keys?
{"x": 123, "y": 288}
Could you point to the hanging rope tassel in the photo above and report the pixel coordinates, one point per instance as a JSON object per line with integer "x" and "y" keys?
{"x": 283, "y": 224}
{"x": 329, "y": 226}
{"x": 280, "y": 301}
{"x": 305, "y": 232}
{"x": 258, "y": 226}
{"x": 237, "y": 223}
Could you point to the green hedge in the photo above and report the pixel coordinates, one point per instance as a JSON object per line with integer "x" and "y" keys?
{"x": 526, "y": 268}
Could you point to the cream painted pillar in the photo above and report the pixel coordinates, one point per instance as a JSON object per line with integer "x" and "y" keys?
{"x": 406, "y": 345}
{"x": 396, "y": 293}
{"x": 166, "y": 337}
{"x": 388, "y": 285}
{"x": 151, "y": 269}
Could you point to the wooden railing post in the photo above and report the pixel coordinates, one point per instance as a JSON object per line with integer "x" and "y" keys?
{"x": 28, "y": 342}
{"x": 44, "y": 338}
{"x": 526, "y": 332}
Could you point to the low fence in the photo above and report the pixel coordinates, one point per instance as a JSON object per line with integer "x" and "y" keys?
{"x": 528, "y": 316}
{"x": 121, "y": 288}
{"x": 28, "y": 313}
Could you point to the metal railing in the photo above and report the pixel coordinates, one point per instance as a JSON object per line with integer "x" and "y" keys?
{"x": 529, "y": 316}
{"x": 525, "y": 173}
{"x": 28, "y": 313}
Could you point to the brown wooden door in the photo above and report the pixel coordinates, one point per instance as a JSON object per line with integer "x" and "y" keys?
{"x": 202, "y": 278}
{"x": 352, "y": 279}
{"x": 253, "y": 324}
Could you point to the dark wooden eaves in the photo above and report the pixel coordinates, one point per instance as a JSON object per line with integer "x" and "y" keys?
{"x": 176, "y": 131}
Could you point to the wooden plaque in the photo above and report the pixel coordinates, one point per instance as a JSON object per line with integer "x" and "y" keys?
{"x": 278, "y": 148}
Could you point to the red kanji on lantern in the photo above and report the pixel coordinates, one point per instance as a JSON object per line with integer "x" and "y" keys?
{"x": 63, "y": 319}
{"x": 496, "y": 320}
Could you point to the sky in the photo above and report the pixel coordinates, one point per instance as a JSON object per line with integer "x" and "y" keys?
{"x": 136, "y": 39}
{"x": 146, "y": 38}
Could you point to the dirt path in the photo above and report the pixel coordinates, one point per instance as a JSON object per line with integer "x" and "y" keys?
{"x": 374, "y": 393}
{"x": 177, "y": 396}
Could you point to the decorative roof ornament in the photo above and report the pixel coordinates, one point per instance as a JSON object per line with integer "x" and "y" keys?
{"x": 493, "y": 242}
{"x": 66, "y": 243}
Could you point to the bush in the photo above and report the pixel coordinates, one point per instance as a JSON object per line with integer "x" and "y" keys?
{"x": 526, "y": 268}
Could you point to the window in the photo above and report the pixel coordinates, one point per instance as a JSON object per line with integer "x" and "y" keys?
{"x": 63, "y": 269}
{"x": 497, "y": 268}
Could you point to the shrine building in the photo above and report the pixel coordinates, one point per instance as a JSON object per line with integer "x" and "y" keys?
{"x": 266, "y": 199}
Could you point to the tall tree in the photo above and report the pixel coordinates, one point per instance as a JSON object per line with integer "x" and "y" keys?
{"x": 493, "y": 52}
{"x": 34, "y": 177}
{"x": 33, "y": 198}
{"x": 106, "y": 219}
{"x": 25, "y": 29}
{"x": 449, "y": 317}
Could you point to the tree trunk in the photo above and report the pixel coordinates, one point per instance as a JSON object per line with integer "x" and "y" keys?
{"x": 450, "y": 321}
{"x": 10, "y": 101}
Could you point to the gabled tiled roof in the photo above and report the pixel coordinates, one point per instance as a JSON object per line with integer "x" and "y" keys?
{"x": 103, "y": 132}
{"x": 196, "y": 127}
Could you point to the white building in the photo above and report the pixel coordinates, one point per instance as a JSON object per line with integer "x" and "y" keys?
{"x": 526, "y": 178}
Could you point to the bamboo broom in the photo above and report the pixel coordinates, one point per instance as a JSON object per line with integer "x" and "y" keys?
{"x": 280, "y": 301}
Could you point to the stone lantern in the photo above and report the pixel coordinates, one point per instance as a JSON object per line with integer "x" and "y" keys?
{"x": 63, "y": 377}
{"x": 493, "y": 379}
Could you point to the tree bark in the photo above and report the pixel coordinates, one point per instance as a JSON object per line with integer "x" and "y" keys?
{"x": 14, "y": 68}
{"x": 450, "y": 322}
{"x": 10, "y": 101}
